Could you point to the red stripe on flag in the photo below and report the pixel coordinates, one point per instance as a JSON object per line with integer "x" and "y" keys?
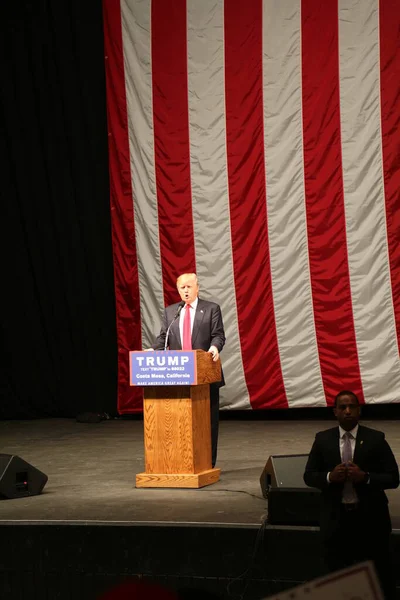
{"x": 326, "y": 224}
{"x": 171, "y": 141}
{"x": 122, "y": 215}
{"x": 389, "y": 16}
{"x": 247, "y": 197}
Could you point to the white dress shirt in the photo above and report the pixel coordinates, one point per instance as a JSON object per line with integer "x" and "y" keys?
{"x": 342, "y": 432}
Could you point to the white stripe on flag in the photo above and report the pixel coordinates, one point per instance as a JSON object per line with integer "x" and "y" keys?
{"x": 209, "y": 183}
{"x": 136, "y": 34}
{"x": 364, "y": 199}
{"x": 286, "y": 204}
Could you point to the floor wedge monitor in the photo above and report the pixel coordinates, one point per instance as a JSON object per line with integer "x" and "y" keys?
{"x": 290, "y": 501}
{"x": 18, "y": 478}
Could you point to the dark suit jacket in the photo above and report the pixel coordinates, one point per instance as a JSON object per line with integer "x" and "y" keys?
{"x": 373, "y": 455}
{"x": 208, "y": 328}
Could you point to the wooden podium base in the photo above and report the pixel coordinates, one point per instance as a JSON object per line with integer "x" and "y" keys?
{"x": 177, "y": 480}
{"x": 177, "y": 427}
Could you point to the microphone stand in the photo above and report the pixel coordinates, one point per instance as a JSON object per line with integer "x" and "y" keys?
{"x": 181, "y": 305}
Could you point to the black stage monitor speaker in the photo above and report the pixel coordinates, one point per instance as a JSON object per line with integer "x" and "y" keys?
{"x": 290, "y": 501}
{"x": 18, "y": 478}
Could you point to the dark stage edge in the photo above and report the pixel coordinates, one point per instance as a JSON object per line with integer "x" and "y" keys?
{"x": 91, "y": 528}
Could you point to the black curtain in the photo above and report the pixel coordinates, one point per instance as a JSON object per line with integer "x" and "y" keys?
{"x": 59, "y": 354}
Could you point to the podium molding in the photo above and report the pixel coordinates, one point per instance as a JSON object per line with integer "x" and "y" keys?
{"x": 178, "y": 480}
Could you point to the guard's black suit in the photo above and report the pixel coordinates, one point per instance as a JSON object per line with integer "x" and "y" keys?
{"x": 208, "y": 330}
{"x": 361, "y": 534}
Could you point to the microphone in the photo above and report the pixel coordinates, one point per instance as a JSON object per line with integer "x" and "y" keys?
{"x": 178, "y": 312}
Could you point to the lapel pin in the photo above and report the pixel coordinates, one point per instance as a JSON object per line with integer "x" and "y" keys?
{"x": 362, "y": 441}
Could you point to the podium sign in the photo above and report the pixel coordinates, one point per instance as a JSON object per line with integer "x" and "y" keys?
{"x": 172, "y": 367}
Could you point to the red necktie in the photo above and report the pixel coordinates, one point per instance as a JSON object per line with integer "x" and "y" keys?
{"x": 187, "y": 329}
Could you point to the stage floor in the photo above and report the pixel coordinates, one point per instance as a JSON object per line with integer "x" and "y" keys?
{"x": 92, "y": 467}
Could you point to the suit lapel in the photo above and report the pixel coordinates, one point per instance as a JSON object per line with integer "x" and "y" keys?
{"x": 177, "y": 333}
{"x": 358, "y": 450}
{"x": 337, "y": 459}
{"x": 198, "y": 319}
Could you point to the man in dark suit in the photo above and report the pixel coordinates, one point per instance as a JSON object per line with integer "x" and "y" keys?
{"x": 352, "y": 465}
{"x": 199, "y": 326}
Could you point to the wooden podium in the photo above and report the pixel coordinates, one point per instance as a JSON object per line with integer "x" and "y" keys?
{"x": 177, "y": 431}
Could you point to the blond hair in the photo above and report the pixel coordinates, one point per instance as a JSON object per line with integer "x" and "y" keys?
{"x": 187, "y": 275}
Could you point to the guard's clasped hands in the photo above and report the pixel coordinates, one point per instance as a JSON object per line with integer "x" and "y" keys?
{"x": 346, "y": 472}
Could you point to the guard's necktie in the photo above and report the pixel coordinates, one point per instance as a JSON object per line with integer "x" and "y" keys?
{"x": 187, "y": 329}
{"x": 347, "y": 453}
{"x": 349, "y": 493}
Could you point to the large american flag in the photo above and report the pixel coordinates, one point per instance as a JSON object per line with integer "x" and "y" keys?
{"x": 257, "y": 143}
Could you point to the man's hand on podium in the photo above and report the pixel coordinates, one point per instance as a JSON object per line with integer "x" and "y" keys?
{"x": 214, "y": 351}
